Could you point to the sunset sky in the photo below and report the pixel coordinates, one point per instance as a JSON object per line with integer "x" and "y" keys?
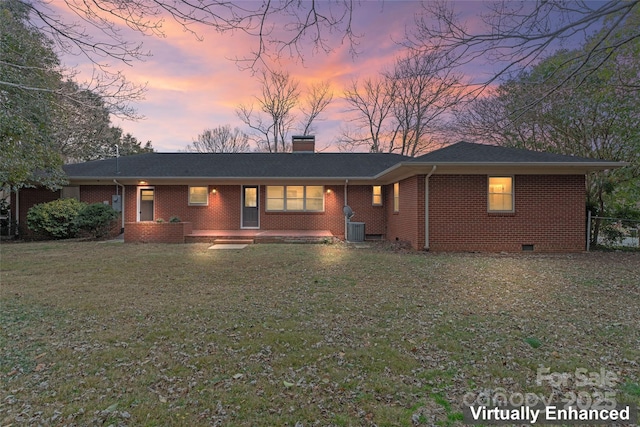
{"x": 192, "y": 85}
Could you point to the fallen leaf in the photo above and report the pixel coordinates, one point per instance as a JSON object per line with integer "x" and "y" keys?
{"x": 112, "y": 407}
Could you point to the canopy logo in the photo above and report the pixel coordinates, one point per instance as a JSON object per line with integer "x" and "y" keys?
{"x": 577, "y": 397}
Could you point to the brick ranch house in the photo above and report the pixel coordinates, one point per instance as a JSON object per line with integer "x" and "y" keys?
{"x": 464, "y": 197}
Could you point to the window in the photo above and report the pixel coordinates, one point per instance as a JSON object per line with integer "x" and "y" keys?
{"x": 396, "y": 197}
{"x": 251, "y": 197}
{"x": 199, "y": 196}
{"x": 500, "y": 194}
{"x": 295, "y": 198}
{"x": 377, "y": 195}
{"x": 70, "y": 193}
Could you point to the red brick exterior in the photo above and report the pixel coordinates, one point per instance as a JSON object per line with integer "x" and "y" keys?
{"x": 549, "y": 214}
{"x": 407, "y": 225}
{"x": 29, "y": 197}
{"x": 224, "y": 209}
{"x": 154, "y": 232}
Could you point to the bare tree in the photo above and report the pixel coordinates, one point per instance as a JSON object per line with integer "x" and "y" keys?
{"x": 402, "y": 111}
{"x": 279, "y": 28}
{"x": 424, "y": 92}
{"x": 221, "y": 139}
{"x": 272, "y": 123}
{"x": 517, "y": 35}
{"x": 316, "y": 101}
{"x": 371, "y": 102}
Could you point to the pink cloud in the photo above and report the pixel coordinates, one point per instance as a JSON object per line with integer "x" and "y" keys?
{"x": 193, "y": 85}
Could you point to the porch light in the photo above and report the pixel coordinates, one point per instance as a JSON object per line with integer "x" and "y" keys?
{"x": 142, "y": 182}
{"x": 214, "y": 191}
{"x": 329, "y": 191}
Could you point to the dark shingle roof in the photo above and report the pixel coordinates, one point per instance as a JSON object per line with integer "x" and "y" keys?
{"x": 315, "y": 165}
{"x": 467, "y": 152}
{"x": 241, "y": 165}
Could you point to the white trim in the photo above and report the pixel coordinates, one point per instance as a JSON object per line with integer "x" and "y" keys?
{"x": 304, "y": 198}
{"x": 373, "y": 194}
{"x": 190, "y": 203}
{"x": 138, "y": 191}
{"x": 396, "y": 195}
{"x": 513, "y": 194}
{"x": 242, "y": 187}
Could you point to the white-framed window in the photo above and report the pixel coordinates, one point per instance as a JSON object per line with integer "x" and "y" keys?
{"x": 377, "y": 195}
{"x": 500, "y": 194}
{"x": 198, "y": 195}
{"x": 295, "y": 198}
{"x": 396, "y": 197}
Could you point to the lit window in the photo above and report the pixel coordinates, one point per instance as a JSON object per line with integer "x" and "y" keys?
{"x": 377, "y": 195}
{"x": 500, "y": 194}
{"x": 275, "y": 198}
{"x": 396, "y": 197}
{"x": 295, "y": 198}
{"x": 199, "y": 196}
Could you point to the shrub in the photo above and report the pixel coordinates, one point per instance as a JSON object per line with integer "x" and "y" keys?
{"x": 56, "y": 219}
{"x": 174, "y": 219}
{"x": 96, "y": 219}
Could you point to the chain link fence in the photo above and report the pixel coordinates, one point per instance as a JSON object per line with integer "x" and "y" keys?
{"x": 616, "y": 233}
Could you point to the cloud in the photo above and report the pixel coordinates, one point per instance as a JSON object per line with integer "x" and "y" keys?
{"x": 193, "y": 85}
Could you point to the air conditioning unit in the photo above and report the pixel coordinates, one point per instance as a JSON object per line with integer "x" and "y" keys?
{"x": 355, "y": 231}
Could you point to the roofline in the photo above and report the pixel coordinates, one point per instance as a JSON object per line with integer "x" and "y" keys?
{"x": 586, "y": 166}
{"x": 597, "y": 165}
{"x": 547, "y": 163}
{"x": 226, "y": 178}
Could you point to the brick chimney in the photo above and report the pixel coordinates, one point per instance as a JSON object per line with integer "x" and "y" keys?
{"x": 303, "y": 144}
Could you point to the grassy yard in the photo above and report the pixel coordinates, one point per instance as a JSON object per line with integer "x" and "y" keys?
{"x": 155, "y": 335}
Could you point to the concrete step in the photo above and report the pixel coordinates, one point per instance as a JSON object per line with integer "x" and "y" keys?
{"x": 233, "y": 241}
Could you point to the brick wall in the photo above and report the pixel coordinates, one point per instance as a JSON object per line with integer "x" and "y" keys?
{"x": 549, "y": 214}
{"x": 407, "y": 225}
{"x": 153, "y": 232}
{"x": 29, "y": 197}
{"x": 224, "y": 209}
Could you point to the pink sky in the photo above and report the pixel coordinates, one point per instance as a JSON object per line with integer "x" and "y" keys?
{"x": 192, "y": 85}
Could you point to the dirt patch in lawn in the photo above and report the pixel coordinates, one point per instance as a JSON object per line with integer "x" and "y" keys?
{"x": 95, "y": 334}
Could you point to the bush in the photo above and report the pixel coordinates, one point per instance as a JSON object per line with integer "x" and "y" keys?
{"x": 174, "y": 219}
{"x": 96, "y": 219}
{"x": 56, "y": 219}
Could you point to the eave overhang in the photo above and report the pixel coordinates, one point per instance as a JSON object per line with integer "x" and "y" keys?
{"x": 404, "y": 170}
{"x": 395, "y": 173}
{"x": 212, "y": 180}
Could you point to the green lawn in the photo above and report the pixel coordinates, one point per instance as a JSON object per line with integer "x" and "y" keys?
{"x": 153, "y": 335}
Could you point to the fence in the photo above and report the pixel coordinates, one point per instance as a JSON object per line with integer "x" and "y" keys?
{"x": 612, "y": 232}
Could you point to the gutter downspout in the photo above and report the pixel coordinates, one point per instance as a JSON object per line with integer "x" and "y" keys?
{"x": 426, "y": 208}
{"x": 346, "y": 183}
{"x": 122, "y": 204}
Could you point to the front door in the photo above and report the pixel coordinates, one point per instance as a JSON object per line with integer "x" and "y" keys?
{"x": 250, "y": 206}
{"x": 146, "y": 204}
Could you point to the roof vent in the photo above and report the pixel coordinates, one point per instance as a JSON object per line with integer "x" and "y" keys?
{"x": 303, "y": 144}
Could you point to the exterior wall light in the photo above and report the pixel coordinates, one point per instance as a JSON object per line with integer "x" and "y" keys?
{"x": 214, "y": 191}
{"x": 329, "y": 191}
